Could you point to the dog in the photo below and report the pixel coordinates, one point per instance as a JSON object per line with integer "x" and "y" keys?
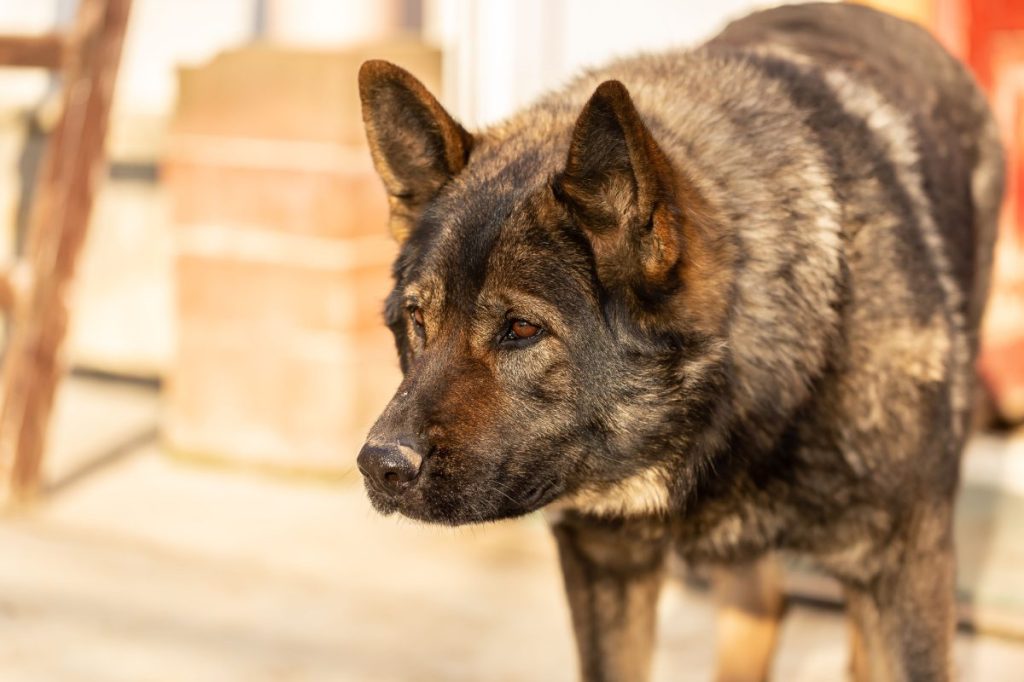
{"x": 722, "y": 302}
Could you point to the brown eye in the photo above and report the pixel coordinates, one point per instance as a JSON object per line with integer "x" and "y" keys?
{"x": 417, "y": 317}
{"x": 521, "y": 329}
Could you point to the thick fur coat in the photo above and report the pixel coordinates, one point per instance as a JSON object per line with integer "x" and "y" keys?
{"x": 723, "y": 301}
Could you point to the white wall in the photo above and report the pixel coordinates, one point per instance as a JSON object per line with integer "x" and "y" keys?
{"x": 330, "y": 23}
{"x": 165, "y": 34}
{"x": 500, "y": 54}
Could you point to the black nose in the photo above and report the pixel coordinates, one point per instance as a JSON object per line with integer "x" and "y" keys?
{"x": 389, "y": 467}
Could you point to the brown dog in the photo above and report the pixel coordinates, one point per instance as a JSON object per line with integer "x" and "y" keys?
{"x": 724, "y": 301}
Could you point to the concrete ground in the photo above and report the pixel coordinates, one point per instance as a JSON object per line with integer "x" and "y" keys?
{"x": 143, "y": 568}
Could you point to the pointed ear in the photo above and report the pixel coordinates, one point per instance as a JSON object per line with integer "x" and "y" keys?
{"x": 620, "y": 186}
{"x": 416, "y": 145}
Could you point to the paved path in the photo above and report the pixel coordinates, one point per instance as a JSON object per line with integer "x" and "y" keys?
{"x": 155, "y": 570}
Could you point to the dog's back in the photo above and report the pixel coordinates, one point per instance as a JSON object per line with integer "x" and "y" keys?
{"x": 942, "y": 140}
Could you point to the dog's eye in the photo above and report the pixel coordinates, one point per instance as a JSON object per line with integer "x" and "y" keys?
{"x": 521, "y": 331}
{"x": 417, "y": 318}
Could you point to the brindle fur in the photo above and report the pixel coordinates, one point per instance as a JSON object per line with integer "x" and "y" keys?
{"x": 759, "y": 267}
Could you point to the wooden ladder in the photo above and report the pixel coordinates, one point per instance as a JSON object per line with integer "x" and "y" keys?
{"x": 34, "y": 288}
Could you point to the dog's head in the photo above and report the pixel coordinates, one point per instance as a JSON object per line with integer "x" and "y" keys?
{"x": 556, "y": 304}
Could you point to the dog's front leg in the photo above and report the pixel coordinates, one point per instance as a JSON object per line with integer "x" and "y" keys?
{"x": 750, "y": 605}
{"x": 613, "y": 572}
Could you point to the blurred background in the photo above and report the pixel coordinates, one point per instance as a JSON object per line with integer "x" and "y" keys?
{"x": 195, "y": 258}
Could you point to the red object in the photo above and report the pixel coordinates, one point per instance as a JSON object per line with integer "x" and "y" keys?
{"x": 989, "y": 35}
{"x": 995, "y": 51}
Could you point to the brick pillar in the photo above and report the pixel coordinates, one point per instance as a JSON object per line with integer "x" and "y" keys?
{"x": 283, "y": 260}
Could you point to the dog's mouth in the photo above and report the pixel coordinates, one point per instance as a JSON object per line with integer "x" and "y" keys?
{"x": 436, "y": 500}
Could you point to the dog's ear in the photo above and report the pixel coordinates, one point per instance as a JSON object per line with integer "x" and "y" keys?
{"x": 621, "y": 188}
{"x": 416, "y": 145}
